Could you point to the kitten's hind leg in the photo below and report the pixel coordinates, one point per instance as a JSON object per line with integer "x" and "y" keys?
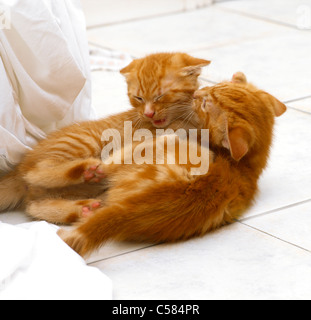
{"x": 56, "y": 174}
{"x": 61, "y": 211}
{"x": 90, "y": 234}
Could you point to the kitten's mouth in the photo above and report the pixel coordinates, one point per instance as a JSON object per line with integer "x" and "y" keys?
{"x": 159, "y": 123}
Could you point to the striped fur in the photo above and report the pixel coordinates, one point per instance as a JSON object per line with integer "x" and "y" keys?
{"x": 55, "y": 168}
{"x": 163, "y": 203}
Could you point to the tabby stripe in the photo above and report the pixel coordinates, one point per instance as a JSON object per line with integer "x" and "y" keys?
{"x": 69, "y": 154}
{"x": 240, "y": 115}
{"x": 60, "y": 154}
{"x": 140, "y": 80}
{"x": 82, "y": 142}
{"x": 182, "y": 91}
{"x": 70, "y": 144}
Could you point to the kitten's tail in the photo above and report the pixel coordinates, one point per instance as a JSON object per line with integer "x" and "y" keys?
{"x": 12, "y": 191}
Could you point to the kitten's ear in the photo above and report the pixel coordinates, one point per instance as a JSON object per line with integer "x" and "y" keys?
{"x": 193, "y": 66}
{"x": 238, "y": 142}
{"x": 128, "y": 69}
{"x": 239, "y": 77}
{"x": 279, "y": 107}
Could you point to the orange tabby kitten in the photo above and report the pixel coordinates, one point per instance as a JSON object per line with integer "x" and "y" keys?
{"x": 160, "y": 88}
{"x": 165, "y": 203}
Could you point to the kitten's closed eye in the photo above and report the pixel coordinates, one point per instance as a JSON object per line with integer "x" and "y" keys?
{"x": 159, "y": 98}
{"x": 139, "y": 99}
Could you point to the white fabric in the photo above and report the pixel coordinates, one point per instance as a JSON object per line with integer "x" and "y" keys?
{"x": 104, "y": 59}
{"x": 36, "y": 264}
{"x": 45, "y": 80}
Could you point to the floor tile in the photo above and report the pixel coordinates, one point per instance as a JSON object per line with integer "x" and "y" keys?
{"x": 103, "y": 12}
{"x": 236, "y": 262}
{"x": 296, "y": 13}
{"x": 287, "y": 179}
{"x": 276, "y": 63}
{"x": 292, "y": 224}
{"x": 115, "y": 249}
{"x": 15, "y": 217}
{"x": 302, "y": 105}
{"x": 190, "y": 31}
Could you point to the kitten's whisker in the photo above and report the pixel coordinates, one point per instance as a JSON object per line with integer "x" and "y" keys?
{"x": 186, "y": 120}
{"x": 138, "y": 124}
{"x": 190, "y": 117}
{"x": 181, "y": 116}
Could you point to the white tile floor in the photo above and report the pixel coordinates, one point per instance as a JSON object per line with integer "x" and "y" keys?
{"x": 267, "y": 254}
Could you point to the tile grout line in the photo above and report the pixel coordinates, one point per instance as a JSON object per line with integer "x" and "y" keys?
{"x": 122, "y": 254}
{"x": 144, "y": 18}
{"x": 125, "y": 21}
{"x": 274, "y": 210}
{"x": 261, "y": 18}
{"x": 182, "y": 11}
{"x": 273, "y": 236}
{"x": 296, "y": 109}
{"x": 298, "y": 99}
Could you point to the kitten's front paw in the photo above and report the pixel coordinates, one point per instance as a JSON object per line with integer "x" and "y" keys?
{"x": 94, "y": 174}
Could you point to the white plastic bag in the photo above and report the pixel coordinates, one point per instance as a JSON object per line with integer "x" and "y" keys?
{"x": 45, "y": 80}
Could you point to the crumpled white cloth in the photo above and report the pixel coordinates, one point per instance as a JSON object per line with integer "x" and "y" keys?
{"x": 108, "y": 60}
{"x": 35, "y": 264}
{"x": 45, "y": 79}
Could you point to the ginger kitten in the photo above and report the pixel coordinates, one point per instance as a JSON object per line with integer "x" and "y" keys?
{"x": 162, "y": 84}
{"x": 164, "y": 203}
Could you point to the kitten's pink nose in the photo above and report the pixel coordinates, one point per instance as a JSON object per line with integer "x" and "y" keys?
{"x": 150, "y": 114}
{"x": 149, "y": 110}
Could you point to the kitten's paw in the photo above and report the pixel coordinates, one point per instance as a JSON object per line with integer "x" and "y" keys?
{"x": 90, "y": 170}
{"x": 89, "y": 206}
{"x": 94, "y": 173}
